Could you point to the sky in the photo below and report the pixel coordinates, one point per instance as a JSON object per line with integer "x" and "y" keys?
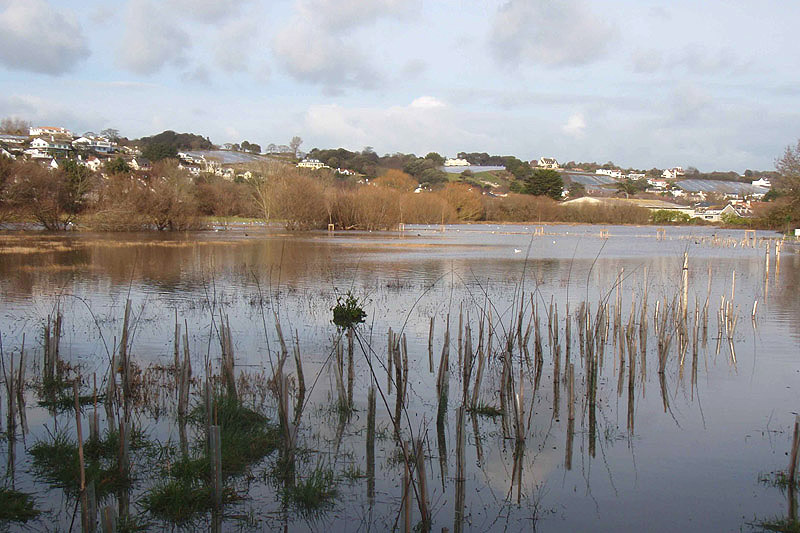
{"x": 712, "y": 84}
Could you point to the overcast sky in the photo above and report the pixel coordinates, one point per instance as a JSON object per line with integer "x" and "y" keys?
{"x": 713, "y": 84}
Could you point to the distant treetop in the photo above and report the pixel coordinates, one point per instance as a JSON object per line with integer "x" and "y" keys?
{"x": 179, "y": 141}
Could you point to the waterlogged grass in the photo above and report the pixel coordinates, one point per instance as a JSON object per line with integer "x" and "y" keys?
{"x": 314, "y": 493}
{"x": 16, "y": 506}
{"x": 56, "y": 462}
{"x": 247, "y": 437}
{"x": 182, "y": 500}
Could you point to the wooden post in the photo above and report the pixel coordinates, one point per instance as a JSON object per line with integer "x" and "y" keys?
{"x": 109, "y": 519}
{"x": 216, "y": 465}
{"x": 793, "y": 454}
{"x": 84, "y": 500}
{"x": 430, "y": 346}
{"x": 422, "y": 487}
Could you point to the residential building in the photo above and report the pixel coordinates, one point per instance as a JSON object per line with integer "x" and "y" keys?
{"x": 456, "y": 162}
{"x": 672, "y": 173}
{"x": 52, "y": 145}
{"x": 314, "y": 164}
{"x": 98, "y": 144}
{"x": 139, "y": 163}
{"x": 13, "y": 139}
{"x": 49, "y": 130}
{"x": 761, "y": 182}
{"x": 715, "y": 214}
{"x": 613, "y": 173}
{"x": 547, "y": 162}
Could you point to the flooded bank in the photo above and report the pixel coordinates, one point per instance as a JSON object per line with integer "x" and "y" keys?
{"x": 504, "y": 377}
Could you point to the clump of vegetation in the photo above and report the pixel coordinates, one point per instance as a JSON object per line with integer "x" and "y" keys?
{"x": 666, "y": 216}
{"x": 246, "y": 438}
{"x": 56, "y": 462}
{"x": 16, "y": 506}
{"x": 348, "y": 312}
{"x": 180, "y": 500}
{"x": 313, "y": 493}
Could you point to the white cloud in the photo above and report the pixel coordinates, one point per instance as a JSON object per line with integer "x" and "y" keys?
{"x": 351, "y": 13}
{"x": 427, "y": 102}
{"x": 422, "y": 126}
{"x": 317, "y": 45}
{"x": 546, "y": 32}
{"x": 232, "y": 43}
{"x": 206, "y": 10}
{"x": 37, "y": 37}
{"x": 150, "y": 40}
{"x": 647, "y": 61}
{"x": 575, "y": 126}
{"x": 313, "y": 54}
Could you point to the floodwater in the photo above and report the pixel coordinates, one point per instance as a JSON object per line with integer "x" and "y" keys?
{"x": 690, "y": 452}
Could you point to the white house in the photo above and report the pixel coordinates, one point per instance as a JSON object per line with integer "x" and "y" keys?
{"x": 91, "y": 163}
{"x": 35, "y": 153}
{"x": 657, "y": 183}
{"x": 547, "y": 162}
{"x": 139, "y": 163}
{"x": 672, "y": 173}
{"x": 456, "y": 162}
{"x": 613, "y": 173}
{"x": 53, "y": 164}
{"x": 6, "y": 153}
{"x": 51, "y": 145}
{"x": 314, "y": 164}
{"x": 761, "y": 182}
{"x": 715, "y": 215}
{"x": 48, "y": 130}
{"x": 13, "y": 139}
{"x": 98, "y": 144}
{"x": 635, "y": 176}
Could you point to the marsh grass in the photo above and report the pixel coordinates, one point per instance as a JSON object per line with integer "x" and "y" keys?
{"x": 186, "y": 491}
{"x": 247, "y": 436}
{"x": 16, "y": 506}
{"x": 181, "y": 500}
{"x": 314, "y": 493}
{"x": 56, "y": 462}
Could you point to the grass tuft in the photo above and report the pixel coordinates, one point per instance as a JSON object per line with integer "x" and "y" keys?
{"x": 16, "y": 506}
{"x": 313, "y": 493}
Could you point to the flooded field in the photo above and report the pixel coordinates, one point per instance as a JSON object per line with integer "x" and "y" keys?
{"x": 476, "y": 378}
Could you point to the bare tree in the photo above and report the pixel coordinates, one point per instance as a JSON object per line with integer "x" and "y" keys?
{"x": 294, "y": 144}
{"x": 14, "y": 126}
{"x": 789, "y": 170}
